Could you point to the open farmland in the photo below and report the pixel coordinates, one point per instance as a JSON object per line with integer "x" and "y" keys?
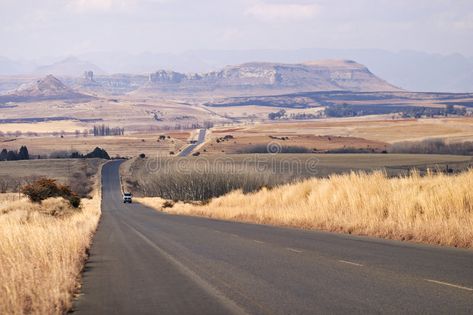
{"x": 125, "y": 146}
{"x": 366, "y": 133}
{"x": 79, "y": 174}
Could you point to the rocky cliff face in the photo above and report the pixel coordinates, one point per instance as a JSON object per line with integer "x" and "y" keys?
{"x": 332, "y": 75}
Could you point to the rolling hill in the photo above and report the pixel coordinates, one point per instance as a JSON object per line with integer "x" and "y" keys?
{"x": 71, "y": 66}
{"x": 47, "y": 88}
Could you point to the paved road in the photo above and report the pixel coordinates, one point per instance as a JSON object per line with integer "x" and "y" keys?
{"x": 201, "y": 138}
{"x": 145, "y": 262}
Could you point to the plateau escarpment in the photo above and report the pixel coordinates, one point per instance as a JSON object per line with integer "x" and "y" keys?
{"x": 257, "y": 77}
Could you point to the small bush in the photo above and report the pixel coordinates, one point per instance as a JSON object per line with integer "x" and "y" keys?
{"x": 168, "y": 204}
{"x": 45, "y": 188}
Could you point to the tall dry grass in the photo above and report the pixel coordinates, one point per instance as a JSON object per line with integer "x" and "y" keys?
{"x": 435, "y": 208}
{"x": 43, "y": 248}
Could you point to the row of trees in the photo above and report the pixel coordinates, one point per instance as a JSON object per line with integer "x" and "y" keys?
{"x": 102, "y": 130}
{"x": 405, "y": 111}
{"x": 23, "y": 154}
{"x": 96, "y": 153}
{"x": 18, "y": 133}
{"x": 96, "y": 131}
{"x": 282, "y": 114}
{"x": 187, "y": 126}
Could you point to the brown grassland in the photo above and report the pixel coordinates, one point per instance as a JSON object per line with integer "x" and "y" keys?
{"x": 325, "y": 134}
{"x": 125, "y": 146}
{"x": 42, "y": 251}
{"x": 435, "y": 208}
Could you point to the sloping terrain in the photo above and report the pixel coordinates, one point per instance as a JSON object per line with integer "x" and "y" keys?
{"x": 376, "y": 102}
{"x": 69, "y": 67}
{"x": 47, "y": 88}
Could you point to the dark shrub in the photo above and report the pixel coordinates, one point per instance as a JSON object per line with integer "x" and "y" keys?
{"x": 45, "y": 188}
{"x": 98, "y": 153}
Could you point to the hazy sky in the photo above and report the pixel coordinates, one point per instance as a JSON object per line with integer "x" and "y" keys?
{"x": 32, "y": 28}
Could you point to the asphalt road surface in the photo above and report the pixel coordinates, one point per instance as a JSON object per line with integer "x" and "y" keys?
{"x": 200, "y": 139}
{"x": 146, "y": 262}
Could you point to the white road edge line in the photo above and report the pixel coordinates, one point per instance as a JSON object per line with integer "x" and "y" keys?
{"x": 294, "y": 250}
{"x": 207, "y": 287}
{"x": 350, "y": 263}
{"x": 449, "y": 284}
{"x": 260, "y": 242}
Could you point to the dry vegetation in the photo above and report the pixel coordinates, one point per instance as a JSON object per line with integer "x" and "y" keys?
{"x": 42, "y": 251}
{"x": 128, "y": 145}
{"x": 435, "y": 208}
{"x": 371, "y": 133}
{"x": 201, "y": 178}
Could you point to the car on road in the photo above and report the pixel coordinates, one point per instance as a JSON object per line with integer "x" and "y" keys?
{"x": 127, "y": 197}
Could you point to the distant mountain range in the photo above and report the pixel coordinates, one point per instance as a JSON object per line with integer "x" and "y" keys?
{"x": 71, "y": 66}
{"x": 410, "y": 70}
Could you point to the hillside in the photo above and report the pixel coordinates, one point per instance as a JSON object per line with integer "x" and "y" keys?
{"x": 71, "y": 66}
{"x": 46, "y": 88}
{"x": 273, "y": 78}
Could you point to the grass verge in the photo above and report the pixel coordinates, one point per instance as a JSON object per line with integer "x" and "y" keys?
{"x": 43, "y": 248}
{"x": 435, "y": 208}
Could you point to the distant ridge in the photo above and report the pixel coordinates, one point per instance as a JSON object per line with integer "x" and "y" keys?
{"x": 71, "y": 66}
{"x": 257, "y": 77}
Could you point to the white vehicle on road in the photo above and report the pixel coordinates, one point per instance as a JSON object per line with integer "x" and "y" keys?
{"x": 127, "y": 197}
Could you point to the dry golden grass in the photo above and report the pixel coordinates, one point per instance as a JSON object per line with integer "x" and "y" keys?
{"x": 41, "y": 255}
{"x": 43, "y": 248}
{"x": 435, "y": 209}
{"x": 374, "y": 128}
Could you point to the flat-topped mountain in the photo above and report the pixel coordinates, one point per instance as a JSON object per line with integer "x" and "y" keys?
{"x": 328, "y": 75}
{"x": 46, "y": 88}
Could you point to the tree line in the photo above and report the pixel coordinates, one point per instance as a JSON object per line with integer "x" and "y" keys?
{"x": 102, "y": 130}
{"x": 11, "y": 155}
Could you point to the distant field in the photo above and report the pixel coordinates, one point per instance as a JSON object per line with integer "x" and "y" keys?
{"x": 128, "y": 145}
{"x": 59, "y": 169}
{"x": 374, "y": 128}
{"x": 134, "y": 113}
{"x": 77, "y": 173}
{"x": 367, "y": 133}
